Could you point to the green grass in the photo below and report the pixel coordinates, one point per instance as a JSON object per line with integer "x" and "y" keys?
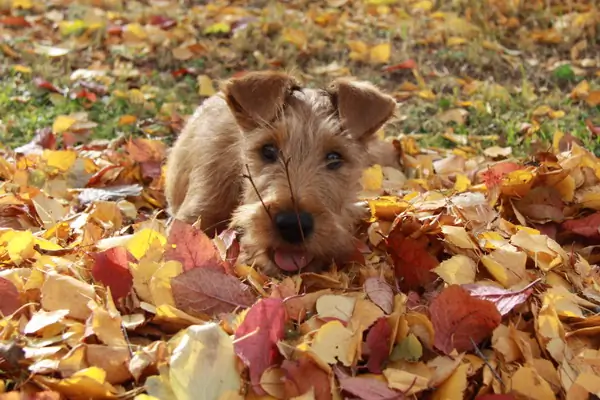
{"x": 413, "y": 34}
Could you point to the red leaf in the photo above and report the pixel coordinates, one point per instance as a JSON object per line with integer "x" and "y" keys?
{"x": 301, "y": 375}
{"x": 257, "y": 336}
{"x": 19, "y": 22}
{"x": 43, "y": 139}
{"x": 210, "y": 291}
{"x": 378, "y": 343}
{"x": 413, "y": 264}
{"x": 460, "y": 320}
{"x": 594, "y": 130}
{"x": 380, "y": 293}
{"x": 44, "y": 84}
{"x": 408, "y": 64}
{"x": 84, "y": 94}
{"x": 183, "y": 71}
{"x": 94, "y": 87}
{"x": 192, "y": 248}
{"x": 114, "y": 30}
{"x": 10, "y": 297}
{"x": 588, "y": 227}
{"x": 366, "y": 388}
{"x": 162, "y": 21}
{"x": 504, "y": 300}
{"x": 111, "y": 267}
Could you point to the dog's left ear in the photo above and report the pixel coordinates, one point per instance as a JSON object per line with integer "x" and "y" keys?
{"x": 256, "y": 98}
{"x": 363, "y": 108}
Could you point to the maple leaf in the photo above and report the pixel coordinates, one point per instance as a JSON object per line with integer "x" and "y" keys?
{"x": 257, "y": 336}
{"x": 111, "y": 267}
{"x": 191, "y": 247}
{"x": 461, "y": 320}
{"x": 209, "y": 291}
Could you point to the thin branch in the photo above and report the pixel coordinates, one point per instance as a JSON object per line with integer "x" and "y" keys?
{"x": 249, "y": 177}
{"x": 486, "y": 362}
{"x": 286, "y": 164}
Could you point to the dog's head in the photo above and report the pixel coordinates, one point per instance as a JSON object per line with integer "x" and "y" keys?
{"x": 304, "y": 151}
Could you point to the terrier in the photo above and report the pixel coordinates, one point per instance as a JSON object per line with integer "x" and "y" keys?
{"x": 282, "y": 165}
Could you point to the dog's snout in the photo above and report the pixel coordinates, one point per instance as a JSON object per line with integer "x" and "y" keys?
{"x": 294, "y": 226}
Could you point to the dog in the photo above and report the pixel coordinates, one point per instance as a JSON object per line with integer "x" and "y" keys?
{"x": 280, "y": 164}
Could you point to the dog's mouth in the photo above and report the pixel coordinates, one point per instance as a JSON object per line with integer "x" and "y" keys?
{"x": 291, "y": 260}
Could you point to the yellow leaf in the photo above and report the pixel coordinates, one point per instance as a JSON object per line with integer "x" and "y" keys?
{"x": 528, "y": 383}
{"x": 458, "y": 270}
{"x": 359, "y": 51}
{"x": 143, "y": 240}
{"x": 24, "y": 4}
{"x": 63, "y": 292}
{"x": 137, "y": 29}
{"x": 62, "y": 160}
{"x": 506, "y": 266}
{"x": 127, "y": 120}
{"x": 22, "y": 69}
{"x": 426, "y": 94}
{"x": 18, "y": 245}
{"x": 566, "y": 188}
{"x": 205, "y": 86}
{"x": 593, "y": 98}
{"x": 219, "y": 27}
{"x": 406, "y": 382}
{"x": 458, "y": 236}
{"x": 160, "y": 283}
{"x": 517, "y": 183}
{"x": 87, "y": 383}
{"x": 455, "y": 41}
{"x": 424, "y": 5}
{"x": 380, "y": 54}
{"x": 453, "y": 387}
{"x": 372, "y": 178}
{"x": 581, "y": 91}
{"x": 334, "y": 342}
{"x": 336, "y": 306}
{"x": 62, "y": 123}
{"x": 295, "y": 36}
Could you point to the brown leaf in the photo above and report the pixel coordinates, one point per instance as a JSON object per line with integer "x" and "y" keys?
{"x": 412, "y": 262}
{"x": 301, "y": 375}
{"x": 460, "y": 320}
{"x": 11, "y": 300}
{"x": 209, "y": 291}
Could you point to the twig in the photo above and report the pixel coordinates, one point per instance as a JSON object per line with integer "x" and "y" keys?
{"x": 294, "y": 204}
{"x": 482, "y": 356}
{"x": 249, "y": 177}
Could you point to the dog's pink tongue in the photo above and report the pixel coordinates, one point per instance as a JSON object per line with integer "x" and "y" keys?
{"x": 291, "y": 260}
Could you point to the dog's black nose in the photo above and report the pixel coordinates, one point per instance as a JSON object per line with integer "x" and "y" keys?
{"x": 294, "y": 227}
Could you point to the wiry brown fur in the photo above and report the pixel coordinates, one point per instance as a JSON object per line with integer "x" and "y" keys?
{"x": 208, "y": 165}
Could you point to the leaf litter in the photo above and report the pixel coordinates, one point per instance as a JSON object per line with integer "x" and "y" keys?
{"x": 477, "y": 275}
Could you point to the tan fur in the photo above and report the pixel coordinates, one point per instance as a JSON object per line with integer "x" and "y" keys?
{"x": 208, "y": 166}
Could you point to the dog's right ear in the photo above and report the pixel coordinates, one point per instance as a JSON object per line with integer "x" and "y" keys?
{"x": 256, "y": 98}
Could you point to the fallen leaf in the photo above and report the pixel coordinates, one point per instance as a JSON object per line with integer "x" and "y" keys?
{"x": 257, "y": 336}
{"x": 380, "y": 293}
{"x": 378, "y": 344}
{"x": 208, "y": 291}
{"x": 191, "y": 247}
{"x": 460, "y": 320}
{"x": 111, "y": 267}
{"x": 11, "y": 300}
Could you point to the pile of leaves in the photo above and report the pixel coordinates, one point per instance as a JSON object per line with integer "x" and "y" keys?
{"x": 474, "y": 277}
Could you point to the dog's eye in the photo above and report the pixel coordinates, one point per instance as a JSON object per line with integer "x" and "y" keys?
{"x": 269, "y": 153}
{"x": 334, "y": 160}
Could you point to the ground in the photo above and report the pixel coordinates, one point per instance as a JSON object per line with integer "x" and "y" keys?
{"x": 475, "y": 277}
